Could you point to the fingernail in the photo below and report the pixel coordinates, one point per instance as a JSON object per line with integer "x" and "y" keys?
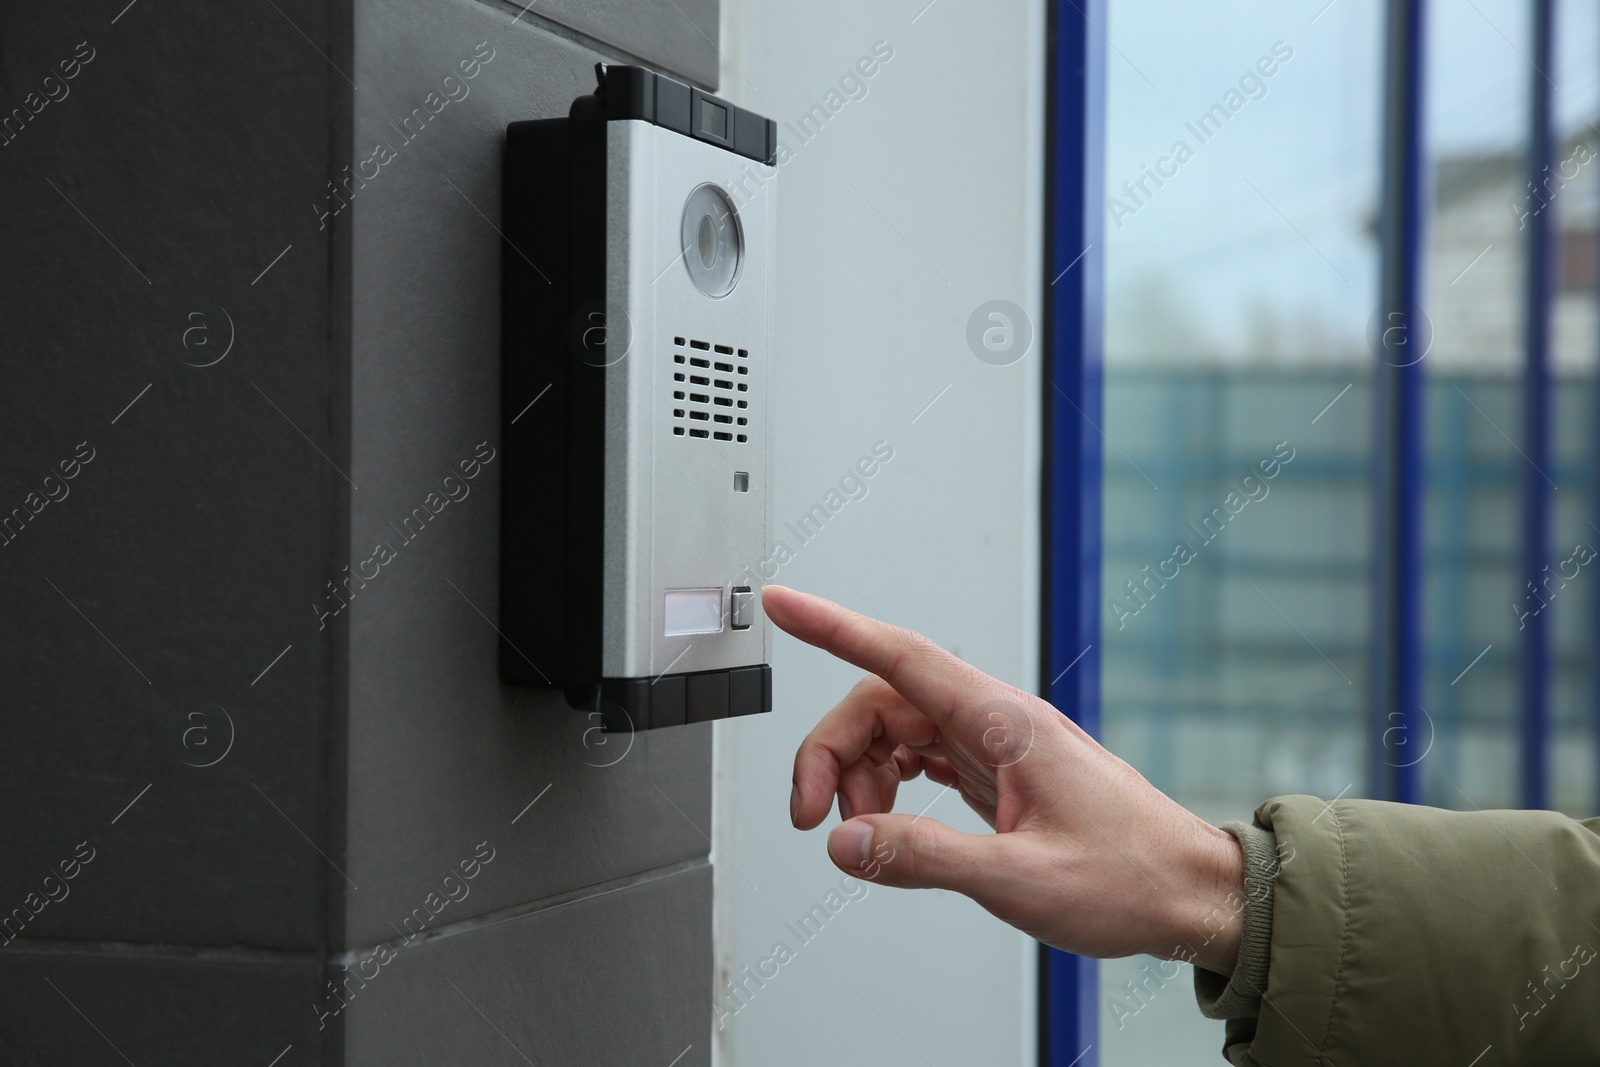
{"x": 852, "y": 843}
{"x": 794, "y": 803}
{"x": 845, "y": 810}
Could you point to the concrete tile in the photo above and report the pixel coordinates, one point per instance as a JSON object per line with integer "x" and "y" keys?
{"x": 104, "y": 1008}
{"x": 143, "y": 207}
{"x": 682, "y": 38}
{"x": 442, "y": 756}
{"x": 619, "y": 977}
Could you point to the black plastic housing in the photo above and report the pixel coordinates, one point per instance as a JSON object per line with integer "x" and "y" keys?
{"x": 553, "y": 417}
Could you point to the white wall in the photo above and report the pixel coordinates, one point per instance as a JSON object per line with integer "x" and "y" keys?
{"x": 912, "y": 206}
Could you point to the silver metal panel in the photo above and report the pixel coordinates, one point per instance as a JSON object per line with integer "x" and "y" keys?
{"x": 631, "y": 223}
{"x": 673, "y": 518}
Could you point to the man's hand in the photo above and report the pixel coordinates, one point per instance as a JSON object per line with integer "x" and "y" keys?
{"x": 1087, "y": 856}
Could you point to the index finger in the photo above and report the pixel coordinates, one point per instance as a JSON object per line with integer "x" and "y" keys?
{"x": 934, "y": 681}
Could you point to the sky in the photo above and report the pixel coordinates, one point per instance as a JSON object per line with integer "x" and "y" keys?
{"x": 1262, "y": 241}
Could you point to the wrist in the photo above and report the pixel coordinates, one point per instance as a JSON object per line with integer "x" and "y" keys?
{"x": 1206, "y": 918}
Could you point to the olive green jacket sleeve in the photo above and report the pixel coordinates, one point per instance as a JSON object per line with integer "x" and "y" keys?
{"x": 1412, "y": 935}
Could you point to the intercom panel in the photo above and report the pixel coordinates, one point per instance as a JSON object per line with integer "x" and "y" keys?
{"x": 637, "y": 346}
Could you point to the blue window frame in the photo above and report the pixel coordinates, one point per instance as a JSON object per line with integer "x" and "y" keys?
{"x": 1397, "y": 646}
{"x": 1072, "y": 470}
{"x": 1539, "y": 278}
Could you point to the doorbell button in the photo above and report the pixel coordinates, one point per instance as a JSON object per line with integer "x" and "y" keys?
{"x": 744, "y": 608}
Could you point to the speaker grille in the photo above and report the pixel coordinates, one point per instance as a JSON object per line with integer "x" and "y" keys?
{"x": 710, "y": 391}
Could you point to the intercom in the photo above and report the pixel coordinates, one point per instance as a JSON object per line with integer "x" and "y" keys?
{"x": 636, "y": 350}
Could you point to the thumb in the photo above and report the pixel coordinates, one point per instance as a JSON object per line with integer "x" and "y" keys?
{"x": 915, "y": 853}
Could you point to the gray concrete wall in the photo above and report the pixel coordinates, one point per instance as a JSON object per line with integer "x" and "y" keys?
{"x": 246, "y": 391}
{"x": 139, "y": 609}
{"x": 441, "y": 756}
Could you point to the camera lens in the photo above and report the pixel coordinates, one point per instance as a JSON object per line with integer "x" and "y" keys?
{"x": 708, "y": 243}
{"x": 713, "y": 245}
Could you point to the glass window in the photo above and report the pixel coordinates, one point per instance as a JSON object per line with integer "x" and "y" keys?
{"x": 1242, "y": 274}
{"x": 1576, "y": 334}
{"x": 1242, "y": 268}
{"x": 1476, "y": 128}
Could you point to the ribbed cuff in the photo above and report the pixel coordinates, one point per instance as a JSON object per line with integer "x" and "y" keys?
{"x": 1239, "y": 997}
